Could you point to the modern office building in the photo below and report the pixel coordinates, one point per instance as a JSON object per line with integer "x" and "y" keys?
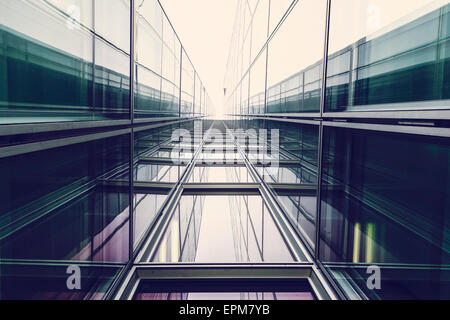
{"x": 328, "y": 177}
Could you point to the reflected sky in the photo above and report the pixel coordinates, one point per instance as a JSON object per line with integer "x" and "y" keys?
{"x": 231, "y": 174}
{"x": 222, "y": 229}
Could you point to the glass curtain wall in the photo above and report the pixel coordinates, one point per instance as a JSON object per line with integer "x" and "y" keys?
{"x": 359, "y": 93}
{"x": 66, "y": 61}
{"x": 78, "y": 139}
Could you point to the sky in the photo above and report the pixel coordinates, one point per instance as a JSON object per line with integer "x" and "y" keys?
{"x": 205, "y": 28}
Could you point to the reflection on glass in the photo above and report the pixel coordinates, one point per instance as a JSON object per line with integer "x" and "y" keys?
{"x": 112, "y": 22}
{"x": 298, "y": 141}
{"x": 300, "y": 92}
{"x": 388, "y": 56}
{"x": 230, "y": 174}
{"x": 157, "y": 173}
{"x": 48, "y": 281}
{"x": 302, "y": 212}
{"x": 397, "y": 283}
{"x": 43, "y": 76}
{"x": 224, "y": 289}
{"x": 146, "y": 208}
{"x": 257, "y": 85}
{"x": 222, "y": 229}
{"x": 382, "y": 209}
{"x": 290, "y": 175}
{"x": 93, "y": 227}
{"x": 148, "y": 93}
{"x": 112, "y": 79}
{"x": 259, "y": 30}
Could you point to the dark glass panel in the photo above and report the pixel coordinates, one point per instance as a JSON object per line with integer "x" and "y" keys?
{"x": 225, "y": 289}
{"x": 49, "y": 281}
{"x": 44, "y": 201}
{"x": 385, "y": 199}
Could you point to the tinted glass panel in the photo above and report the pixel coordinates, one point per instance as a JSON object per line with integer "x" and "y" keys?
{"x": 394, "y": 57}
{"x": 385, "y": 199}
{"x": 237, "y": 232}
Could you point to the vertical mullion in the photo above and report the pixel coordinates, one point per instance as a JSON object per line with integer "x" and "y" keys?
{"x": 131, "y": 155}
{"x": 93, "y": 57}
{"x": 92, "y": 219}
{"x": 325, "y": 58}
{"x": 321, "y": 129}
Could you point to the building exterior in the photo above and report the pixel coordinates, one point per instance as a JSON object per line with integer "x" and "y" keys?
{"x": 359, "y": 91}
{"x": 327, "y": 179}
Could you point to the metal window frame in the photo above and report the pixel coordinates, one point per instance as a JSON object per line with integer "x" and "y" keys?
{"x": 185, "y": 271}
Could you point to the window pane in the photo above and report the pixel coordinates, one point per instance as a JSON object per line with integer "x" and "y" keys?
{"x": 148, "y": 93}
{"x": 112, "y": 80}
{"x": 220, "y": 174}
{"x": 234, "y": 233}
{"x": 385, "y": 210}
{"x": 112, "y": 22}
{"x": 62, "y": 212}
{"x": 277, "y": 10}
{"x": 258, "y": 84}
{"x": 294, "y": 73}
{"x": 44, "y": 76}
{"x": 259, "y": 30}
{"x": 388, "y": 56}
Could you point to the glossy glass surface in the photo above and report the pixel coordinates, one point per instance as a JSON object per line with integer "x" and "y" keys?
{"x": 146, "y": 210}
{"x": 398, "y": 282}
{"x": 22, "y": 281}
{"x": 220, "y": 174}
{"x": 395, "y": 57}
{"x": 222, "y": 229}
{"x": 220, "y": 289}
{"x": 44, "y": 77}
{"x": 59, "y": 212}
{"x": 258, "y": 85}
{"x": 294, "y": 74}
{"x": 47, "y": 78}
{"x": 380, "y": 209}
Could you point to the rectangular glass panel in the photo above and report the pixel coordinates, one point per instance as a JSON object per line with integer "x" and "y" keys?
{"x": 294, "y": 73}
{"x": 49, "y": 281}
{"x": 385, "y": 210}
{"x": 112, "y": 80}
{"x": 112, "y": 22}
{"x": 44, "y": 76}
{"x": 61, "y": 212}
{"x": 258, "y": 84}
{"x": 225, "y": 289}
{"x": 259, "y": 31}
{"x": 158, "y": 173}
{"x": 231, "y": 229}
{"x": 147, "y": 93}
{"x": 146, "y": 209}
{"x": 385, "y": 56}
{"x": 219, "y": 174}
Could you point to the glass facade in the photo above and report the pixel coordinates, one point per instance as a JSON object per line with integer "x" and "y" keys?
{"x": 358, "y": 93}
{"x": 79, "y": 139}
{"x": 380, "y": 57}
{"x": 328, "y": 177}
{"x": 75, "y": 65}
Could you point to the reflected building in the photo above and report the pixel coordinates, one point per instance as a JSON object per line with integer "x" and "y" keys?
{"x": 111, "y": 165}
{"x": 360, "y": 97}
